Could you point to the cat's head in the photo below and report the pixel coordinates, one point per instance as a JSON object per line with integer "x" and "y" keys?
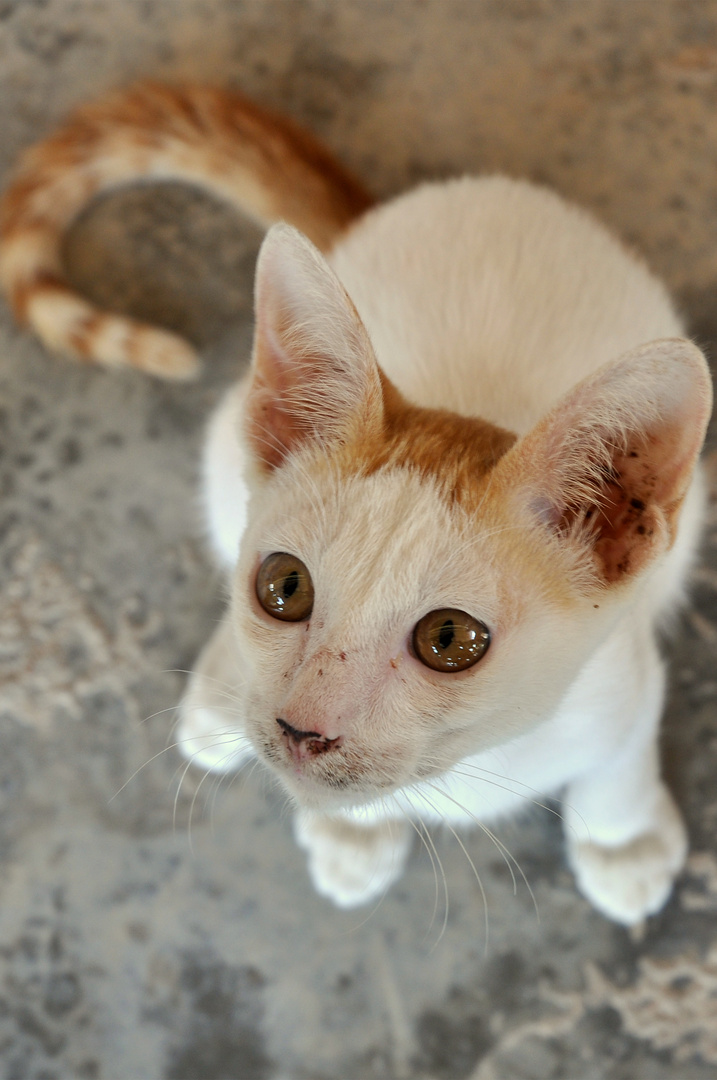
{"x": 414, "y": 586}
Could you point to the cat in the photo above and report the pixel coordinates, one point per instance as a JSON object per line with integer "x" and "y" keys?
{"x": 456, "y": 495}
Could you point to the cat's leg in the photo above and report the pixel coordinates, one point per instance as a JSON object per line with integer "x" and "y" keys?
{"x": 351, "y": 862}
{"x": 626, "y": 841}
{"x": 210, "y": 730}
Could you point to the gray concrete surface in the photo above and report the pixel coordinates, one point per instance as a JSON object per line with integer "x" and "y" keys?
{"x": 155, "y": 925}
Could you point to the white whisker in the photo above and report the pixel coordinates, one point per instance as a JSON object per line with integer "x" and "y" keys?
{"x": 419, "y": 832}
{"x": 428, "y": 840}
{"x": 231, "y": 688}
{"x": 486, "y": 773}
{"x": 136, "y": 772}
{"x": 475, "y": 872}
{"x": 508, "y": 856}
{"x": 187, "y": 767}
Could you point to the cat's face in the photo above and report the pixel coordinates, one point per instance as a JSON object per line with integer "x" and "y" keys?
{"x": 382, "y": 552}
{"x": 369, "y": 514}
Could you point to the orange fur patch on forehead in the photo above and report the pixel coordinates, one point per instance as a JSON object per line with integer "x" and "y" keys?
{"x": 455, "y": 451}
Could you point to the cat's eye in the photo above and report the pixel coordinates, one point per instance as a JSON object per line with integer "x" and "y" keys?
{"x": 450, "y": 640}
{"x": 284, "y": 587}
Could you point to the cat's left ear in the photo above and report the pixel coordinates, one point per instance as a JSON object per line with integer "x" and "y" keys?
{"x": 315, "y": 376}
{"x": 606, "y": 471}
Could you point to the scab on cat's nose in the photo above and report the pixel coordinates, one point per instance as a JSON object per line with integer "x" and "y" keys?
{"x": 304, "y": 744}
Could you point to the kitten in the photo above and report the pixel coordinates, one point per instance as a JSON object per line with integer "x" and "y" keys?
{"x": 455, "y": 495}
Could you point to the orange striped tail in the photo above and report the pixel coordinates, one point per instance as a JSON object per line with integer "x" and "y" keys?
{"x": 264, "y": 165}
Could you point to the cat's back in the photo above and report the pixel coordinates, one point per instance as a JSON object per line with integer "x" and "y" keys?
{"x": 493, "y": 296}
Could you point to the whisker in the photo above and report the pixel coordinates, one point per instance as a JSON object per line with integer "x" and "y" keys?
{"x": 232, "y": 710}
{"x": 485, "y": 775}
{"x": 229, "y": 687}
{"x": 482, "y": 826}
{"x": 218, "y": 781}
{"x": 231, "y": 777}
{"x": 139, "y": 770}
{"x": 419, "y": 832}
{"x": 159, "y": 712}
{"x": 176, "y": 797}
{"x": 381, "y": 898}
{"x": 508, "y": 856}
{"x": 207, "y": 773}
{"x": 432, "y": 847}
{"x": 171, "y": 746}
{"x": 477, "y": 877}
{"x": 536, "y": 802}
{"x": 244, "y": 774}
{"x": 191, "y": 810}
{"x": 188, "y": 766}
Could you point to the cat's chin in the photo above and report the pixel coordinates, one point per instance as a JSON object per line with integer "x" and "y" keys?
{"x": 316, "y": 793}
{"x": 316, "y": 790}
{"x": 327, "y": 800}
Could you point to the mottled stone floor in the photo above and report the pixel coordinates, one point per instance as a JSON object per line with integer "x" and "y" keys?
{"x": 158, "y": 926}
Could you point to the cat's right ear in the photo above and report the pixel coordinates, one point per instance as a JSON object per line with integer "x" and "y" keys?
{"x": 605, "y": 472}
{"x": 315, "y": 378}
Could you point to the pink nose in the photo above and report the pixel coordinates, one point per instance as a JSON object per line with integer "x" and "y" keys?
{"x": 303, "y": 744}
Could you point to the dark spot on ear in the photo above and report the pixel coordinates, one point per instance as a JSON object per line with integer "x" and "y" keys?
{"x": 596, "y": 605}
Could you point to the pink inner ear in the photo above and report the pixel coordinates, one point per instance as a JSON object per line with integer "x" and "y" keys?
{"x": 626, "y": 511}
{"x": 271, "y": 430}
{"x": 273, "y": 423}
{"x": 315, "y": 375}
{"x": 608, "y": 469}
{"x": 625, "y": 521}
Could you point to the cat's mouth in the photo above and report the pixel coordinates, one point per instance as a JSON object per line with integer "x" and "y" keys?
{"x": 336, "y": 771}
{"x": 318, "y": 769}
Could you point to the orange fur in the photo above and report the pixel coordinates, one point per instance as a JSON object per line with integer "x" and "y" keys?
{"x": 262, "y": 163}
{"x": 455, "y": 451}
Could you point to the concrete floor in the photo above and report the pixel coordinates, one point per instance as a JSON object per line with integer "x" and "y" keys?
{"x": 156, "y": 926}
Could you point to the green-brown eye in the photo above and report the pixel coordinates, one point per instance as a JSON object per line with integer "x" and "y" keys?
{"x": 284, "y": 587}
{"x": 450, "y": 640}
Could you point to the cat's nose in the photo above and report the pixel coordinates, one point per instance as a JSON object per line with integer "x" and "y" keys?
{"x": 304, "y": 744}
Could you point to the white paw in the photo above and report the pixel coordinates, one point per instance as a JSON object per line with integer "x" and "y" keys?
{"x": 352, "y": 864}
{"x": 205, "y": 738}
{"x": 634, "y": 880}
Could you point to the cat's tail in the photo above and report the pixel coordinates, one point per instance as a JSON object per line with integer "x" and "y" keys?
{"x": 261, "y": 163}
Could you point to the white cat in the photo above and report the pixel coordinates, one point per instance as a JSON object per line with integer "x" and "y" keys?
{"x": 431, "y": 614}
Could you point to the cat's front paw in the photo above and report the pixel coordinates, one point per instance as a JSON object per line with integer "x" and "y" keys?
{"x": 352, "y": 864}
{"x": 629, "y": 882}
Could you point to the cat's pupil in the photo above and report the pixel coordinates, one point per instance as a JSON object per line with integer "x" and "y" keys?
{"x": 446, "y": 634}
{"x": 291, "y": 584}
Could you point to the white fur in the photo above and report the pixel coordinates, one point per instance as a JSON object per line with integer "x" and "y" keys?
{"x": 491, "y": 298}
